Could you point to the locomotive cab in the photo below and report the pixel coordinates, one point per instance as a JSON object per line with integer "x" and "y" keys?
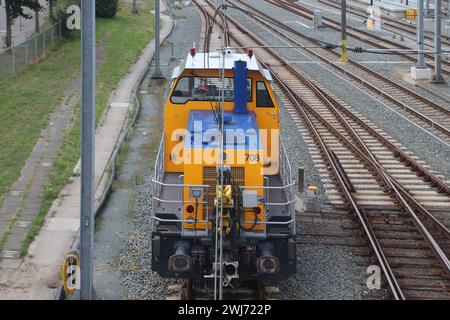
{"x": 223, "y": 193}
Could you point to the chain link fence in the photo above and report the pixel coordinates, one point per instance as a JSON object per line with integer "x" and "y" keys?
{"x": 19, "y": 56}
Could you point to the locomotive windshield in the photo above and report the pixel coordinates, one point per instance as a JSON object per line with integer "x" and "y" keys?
{"x": 205, "y": 89}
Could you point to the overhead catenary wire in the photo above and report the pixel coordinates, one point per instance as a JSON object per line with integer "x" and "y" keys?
{"x": 328, "y": 45}
{"x": 218, "y": 259}
{"x": 354, "y": 49}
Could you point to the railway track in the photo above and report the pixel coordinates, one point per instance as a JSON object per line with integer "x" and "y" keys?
{"x": 358, "y": 34}
{"x": 388, "y": 23}
{"x": 369, "y": 173}
{"x": 431, "y": 116}
{"x": 209, "y": 24}
{"x": 250, "y": 291}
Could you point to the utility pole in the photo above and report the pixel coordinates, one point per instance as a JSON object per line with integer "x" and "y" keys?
{"x": 344, "y": 30}
{"x": 420, "y": 37}
{"x": 87, "y": 148}
{"x": 36, "y": 18}
{"x": 157, "y": 73}
{"x": 437, "y": 38}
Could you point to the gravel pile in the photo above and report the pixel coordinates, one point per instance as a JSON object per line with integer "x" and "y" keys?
{"x": 324, "y": 273}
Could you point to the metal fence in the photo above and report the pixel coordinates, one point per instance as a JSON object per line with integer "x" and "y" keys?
{"x": 20, "y": 55}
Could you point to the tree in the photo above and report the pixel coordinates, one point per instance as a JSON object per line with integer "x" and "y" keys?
{"x": 106, "y": 8}
{"x": 14, "y": 9}
{"x": 36, "y": 18}
{"x": 51, "y": 13}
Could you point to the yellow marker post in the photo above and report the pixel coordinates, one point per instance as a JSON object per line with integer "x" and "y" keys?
{"x": 344, "y": 50}
{"x": 411, "y": 14}
{"x": 344, "y": 30}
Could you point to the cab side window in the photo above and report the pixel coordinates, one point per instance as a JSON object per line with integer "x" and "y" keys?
{"x": 263, "y": 98}
{"x": 183, "y": 90}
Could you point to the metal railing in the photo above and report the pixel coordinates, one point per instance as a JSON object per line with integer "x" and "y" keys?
{"x": 158, "y": 183}
{"x": 158, "y": 174}
{"x": 18, "y": 56}
{"x": 287, "y": 187}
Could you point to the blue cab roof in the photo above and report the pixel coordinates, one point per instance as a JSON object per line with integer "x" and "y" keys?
{"x": 241, "y": 131}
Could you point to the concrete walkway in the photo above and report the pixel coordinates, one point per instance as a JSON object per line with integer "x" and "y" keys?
{"x": 37, "y": 276}
{"x": 23, "y": 202}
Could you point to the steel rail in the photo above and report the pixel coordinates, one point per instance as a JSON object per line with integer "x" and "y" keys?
{"x": 403, "y": 107}
{"x": 390, "y": 184}
{"x": 370, "y": 160}
{"x": 394, "y": 188}
{"x": 207, "y": 27}
{"x": 358, "y": 34}
{"x": 390, "y": 22}
{"x": 343, "y": 184}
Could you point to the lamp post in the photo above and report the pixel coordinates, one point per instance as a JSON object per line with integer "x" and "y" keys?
{"x": 437, "y": 37}
{"x": 87, "y": 149}
{"x": 157, "y": 74}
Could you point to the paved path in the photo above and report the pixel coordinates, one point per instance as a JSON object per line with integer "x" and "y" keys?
{"x": 38, "y": 274}
{"x": 23, "y": 202}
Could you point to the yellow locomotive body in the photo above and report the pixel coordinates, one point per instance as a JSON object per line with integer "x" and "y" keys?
{"x": 221, "y": 170}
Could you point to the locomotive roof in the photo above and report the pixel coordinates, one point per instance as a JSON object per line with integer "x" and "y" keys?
{"x": 214, "y": 60}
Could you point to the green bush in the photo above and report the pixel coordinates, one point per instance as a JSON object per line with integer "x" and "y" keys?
{"x": 106, "y": 8}
{"x": 62, "y": 15}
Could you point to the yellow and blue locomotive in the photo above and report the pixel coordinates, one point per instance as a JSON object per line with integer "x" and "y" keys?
{"x": 223, "y": 192}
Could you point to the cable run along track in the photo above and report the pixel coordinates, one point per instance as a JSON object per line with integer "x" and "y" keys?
{"x": 409, "y": 243}
{"x": 358, "y": 34}
{"x": 391, "y": 24}
{"x": 185, "y": 290}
